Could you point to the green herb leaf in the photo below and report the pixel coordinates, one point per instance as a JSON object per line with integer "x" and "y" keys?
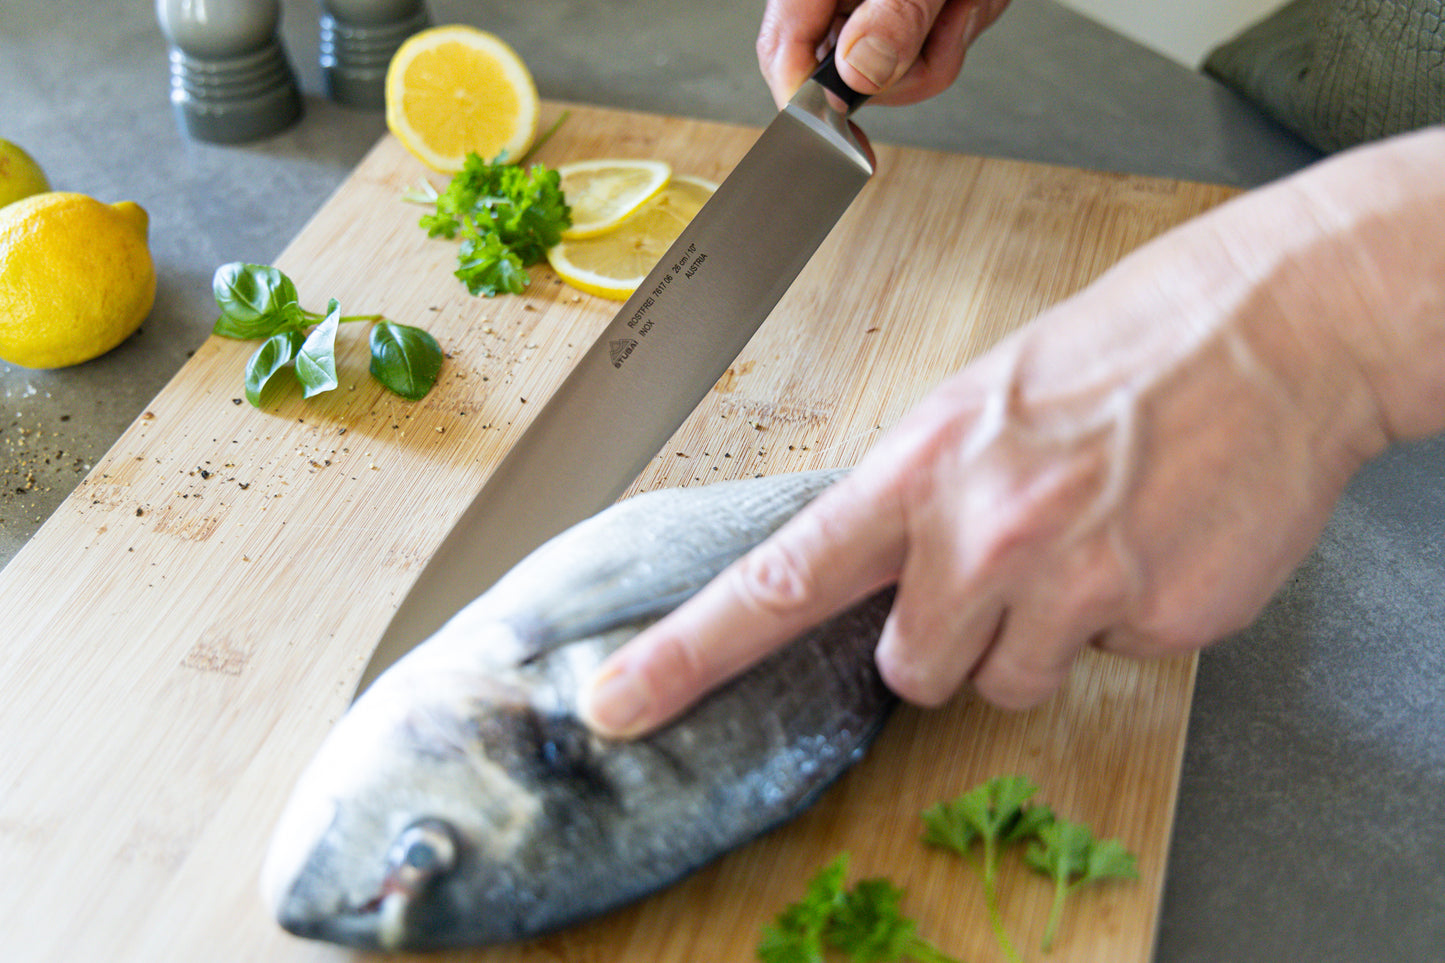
{"x": 316, "y": 361}
{"x": 1030, "y": 820}
{"x": 866, "y": 923}
{"x": 1108, "y": 859}
{"x": 797, "y": 934}
{"x": 256, "y": 301}
{"x": 537, "y": 214}
{"x": 1061, "y": 850}
{"x": 1068, "y": 854}
{"x": 945, "y": 827}
{"x": 488, "y": 267}
{"x": 995, "y": 813}
{"x": 870, "y": 926}
{"x": 405, "y": 359}
{"x": 274, "y": 354}
{"x": 507, "y": 216}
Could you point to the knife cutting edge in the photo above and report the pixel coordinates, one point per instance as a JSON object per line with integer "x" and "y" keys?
{"x": 651, "y": 366}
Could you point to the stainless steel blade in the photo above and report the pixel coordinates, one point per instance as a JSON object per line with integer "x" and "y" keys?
{"x": 654, "y": 362}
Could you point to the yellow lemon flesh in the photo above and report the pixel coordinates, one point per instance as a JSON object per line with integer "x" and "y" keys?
{"x": 613, "y": 264}
{"x": 453, "y": 90}
{"x": 20, "y": 176}
{"x": 604, "y": 193}
{"x": 76, "y": 278}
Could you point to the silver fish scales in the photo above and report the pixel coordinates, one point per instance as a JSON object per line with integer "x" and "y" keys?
{"x": 461, "y": 802}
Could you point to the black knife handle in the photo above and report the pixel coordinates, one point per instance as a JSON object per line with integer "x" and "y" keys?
{"x": 827, "y": 75}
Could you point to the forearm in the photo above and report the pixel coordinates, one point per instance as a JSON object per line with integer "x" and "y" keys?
{"x": 1353, "y": 253}
{"x": 1384, "y": 206}
{"x": 1329, "y": 285}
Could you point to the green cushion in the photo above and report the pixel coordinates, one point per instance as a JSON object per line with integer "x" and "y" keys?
{"x": 1339, "y": 72}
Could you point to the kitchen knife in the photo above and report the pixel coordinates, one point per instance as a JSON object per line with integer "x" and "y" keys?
{"x": 656, "y": 360}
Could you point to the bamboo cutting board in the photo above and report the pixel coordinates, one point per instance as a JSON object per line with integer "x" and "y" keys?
{"x": 186, "y": 628}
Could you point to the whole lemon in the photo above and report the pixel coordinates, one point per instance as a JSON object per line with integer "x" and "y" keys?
{"x": 20, "y": 176}
{"x": 76, "y": 278}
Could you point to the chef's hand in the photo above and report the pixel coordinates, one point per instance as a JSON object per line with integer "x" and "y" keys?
{"x": 902, "y": 51}
{"x": 1136, "y": 470}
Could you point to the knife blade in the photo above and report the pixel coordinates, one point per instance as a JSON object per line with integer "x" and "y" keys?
{"x": 656, "y": 360}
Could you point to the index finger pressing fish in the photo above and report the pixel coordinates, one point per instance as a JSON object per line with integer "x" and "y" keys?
{"x": 461, "y": 801}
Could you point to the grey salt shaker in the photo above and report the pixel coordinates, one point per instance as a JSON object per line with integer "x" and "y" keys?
{"x": 230, "y": 79}
{"x": 358, "y": 39}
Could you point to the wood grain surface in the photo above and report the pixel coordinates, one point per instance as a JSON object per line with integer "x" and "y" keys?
{"x": 185, "y": 629}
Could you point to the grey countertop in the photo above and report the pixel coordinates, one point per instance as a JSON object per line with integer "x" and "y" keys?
{"x": 1311, "y": 820}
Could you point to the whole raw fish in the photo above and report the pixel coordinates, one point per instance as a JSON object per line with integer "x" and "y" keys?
{"x": 460, "y": 801}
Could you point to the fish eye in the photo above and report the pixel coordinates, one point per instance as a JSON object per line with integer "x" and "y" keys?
{"x": 562, "y": 743}
{"x": 421, "y": 852}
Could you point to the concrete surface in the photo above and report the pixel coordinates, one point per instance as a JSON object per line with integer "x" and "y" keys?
{"x": 1311, "y": 817}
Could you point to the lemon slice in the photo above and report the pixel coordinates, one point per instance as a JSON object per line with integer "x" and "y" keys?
{"x": 456, "y": 89}
{"x": 604, "y": 193}
{"x": 613, "y": 264}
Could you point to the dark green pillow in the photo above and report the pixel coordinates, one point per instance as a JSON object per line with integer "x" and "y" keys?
{"x": 1339, "y": 72}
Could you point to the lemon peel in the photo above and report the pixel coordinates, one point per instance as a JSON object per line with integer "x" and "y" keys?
{"x": 20, "y": 175}
{"x": 76, "y": 278}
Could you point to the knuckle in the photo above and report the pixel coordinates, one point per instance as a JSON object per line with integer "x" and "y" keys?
{"x": 1180, "y": 611}
{"x": 1160, "y": 628}
{"x": 912, "y": 682}
{"x": 774, "y": 579}
{"x": 783, "y": 576}
{"x": 1093, "y": 589}
{"x": 1015, "y": 695}
{"x": 996, "y": 536}
{"x": 766, "y": 48}
{"x": 915, "y": 17}
{"x": 1018, "y": 686}
{"x": 1025, "y": 669}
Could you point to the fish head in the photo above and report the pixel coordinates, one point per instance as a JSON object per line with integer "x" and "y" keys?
{"x": 422, "y": 808}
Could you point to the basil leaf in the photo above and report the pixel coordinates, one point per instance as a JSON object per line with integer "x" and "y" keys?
{"x": 254, "y": 300}
{"x": 404, "y": 359}
{"x": 316, "y": 363}
{"x": 274, "y": 354}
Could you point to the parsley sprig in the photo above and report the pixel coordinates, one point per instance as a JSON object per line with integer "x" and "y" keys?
{"x": 997, "y": 814}
{"x": 1069, "y": 854}
{"x": 865, "y": 922}
{"x": 258, "y": 301}
{"x": 506, "y": 216}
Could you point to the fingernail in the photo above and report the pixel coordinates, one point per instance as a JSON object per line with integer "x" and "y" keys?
{"x": 615, "y": 701}
{"x": 873, "y": 58}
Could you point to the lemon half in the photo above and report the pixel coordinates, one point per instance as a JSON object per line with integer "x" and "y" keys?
{"x": 456, "y": 89}
{"x": 605, "y": 192}
{"x": 613, "y": 264}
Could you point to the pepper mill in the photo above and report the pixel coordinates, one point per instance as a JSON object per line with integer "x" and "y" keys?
{"x": 230, "y": 80}
{"x": 358, "y": 39}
